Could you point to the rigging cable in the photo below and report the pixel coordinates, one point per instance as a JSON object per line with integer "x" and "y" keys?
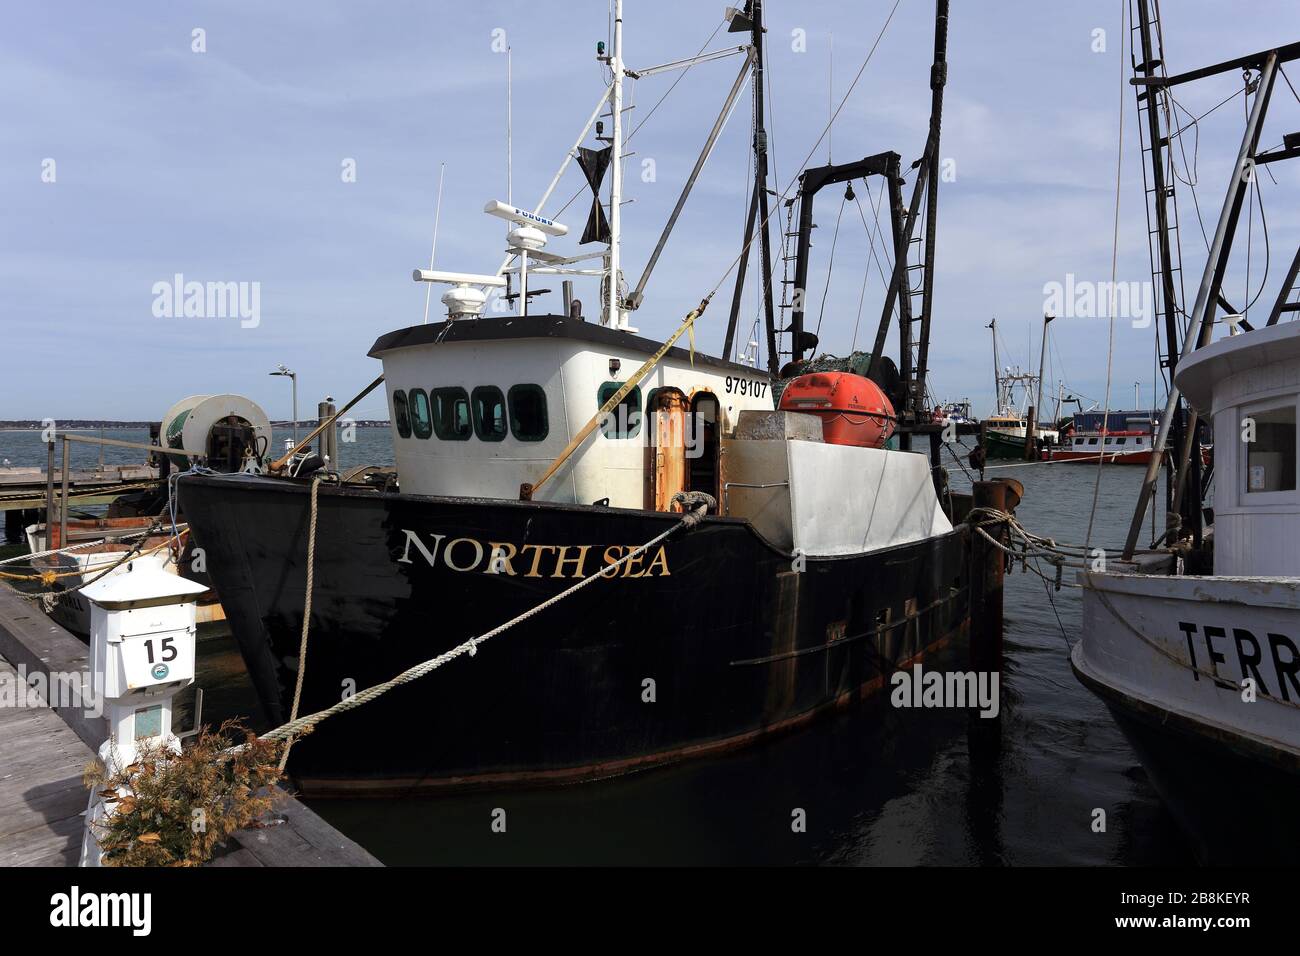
{"x": 872, "y": 239}
{"x": 847, "y": 93}
{"x": 1114, "y": 265}
{"x": 1250, "y": 226}
{"x": 830, "y": 265}
{"x": 627, "y": 139}
{"x": 1288, "y": 83}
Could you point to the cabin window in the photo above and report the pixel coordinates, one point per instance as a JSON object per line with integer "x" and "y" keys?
{"x": 420, "y": 413}
{"x": 1120, "y": 441}
{"x": 451, "y": 418}
{"x": 401, "y": 417}
{"x": 528, "y": 421}
{"x": 624, "y": 419}
{"x": 489, "y": 413}
{"x": 1270, "y": 458}
{"x": 1092, "y": 441}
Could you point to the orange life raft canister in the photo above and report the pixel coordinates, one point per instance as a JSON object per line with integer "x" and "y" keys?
{"x": 853, "y": 409}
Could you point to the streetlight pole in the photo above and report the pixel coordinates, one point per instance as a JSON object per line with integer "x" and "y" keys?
{"x": 293, "y": 382}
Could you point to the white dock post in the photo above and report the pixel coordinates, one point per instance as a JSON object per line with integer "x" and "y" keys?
{"x": 142, "y": 626}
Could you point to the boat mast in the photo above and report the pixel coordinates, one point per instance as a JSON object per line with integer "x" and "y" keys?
{"x": 1042, "y": 358}
{"x": 613, "y": 314}
{"x": 1200, "y": 324}
{"x": 997, "y": 369}
{"x": 760, "y": 184}
{"x": 758, "y": 203}
{"x": 938, "y": 79}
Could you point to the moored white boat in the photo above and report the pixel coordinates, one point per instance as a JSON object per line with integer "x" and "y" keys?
{"x": 1199, "y": 660}
{"x": 1202, "y": 671}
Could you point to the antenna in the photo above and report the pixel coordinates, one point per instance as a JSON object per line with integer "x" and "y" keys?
{"x": 613, "y": 314}
{"x": 437, "y": 214}
{"x": 509, "y": 128}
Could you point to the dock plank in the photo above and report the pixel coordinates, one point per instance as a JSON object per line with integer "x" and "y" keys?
{"x": 42, "y": 800}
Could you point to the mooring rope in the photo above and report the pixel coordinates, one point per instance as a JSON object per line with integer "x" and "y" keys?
{"x": 1034, "y": 548}
{"x": 306, "y": 614}
{"x": 697, "y": 504}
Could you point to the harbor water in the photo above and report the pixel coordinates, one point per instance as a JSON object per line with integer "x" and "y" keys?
{"x": 877, "y": 785}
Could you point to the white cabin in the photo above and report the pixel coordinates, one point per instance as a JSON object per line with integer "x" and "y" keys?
{"x": 484, "y": 406}
{"x": 1249, "y": 387}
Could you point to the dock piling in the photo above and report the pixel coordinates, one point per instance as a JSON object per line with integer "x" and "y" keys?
{"x": 49, "y": 492}
{"x": 986, "y": 571}
{"x": 63, "y": 500}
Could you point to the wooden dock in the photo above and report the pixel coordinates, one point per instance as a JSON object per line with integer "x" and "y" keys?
{"x": 25, "y": 488}
{"x": 42, "y": 800}
{"x": 43, "y": 751}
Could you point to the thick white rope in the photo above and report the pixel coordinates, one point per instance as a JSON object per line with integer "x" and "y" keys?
{"x": 306, "y": 615}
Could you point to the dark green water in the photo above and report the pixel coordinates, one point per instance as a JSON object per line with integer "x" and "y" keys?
{"x": 877, "y": 786}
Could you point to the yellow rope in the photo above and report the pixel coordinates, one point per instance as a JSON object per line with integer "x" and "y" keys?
{"x": 49, "y": 577}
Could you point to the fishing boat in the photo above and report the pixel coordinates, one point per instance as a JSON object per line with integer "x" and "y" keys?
{"x": 1006, "y": 432}
{"x": 793, "y": 561}
{"x": 1120, "y": 437}
{"x": 1198, "y": 656}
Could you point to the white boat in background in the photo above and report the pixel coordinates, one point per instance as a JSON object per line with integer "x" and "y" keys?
{"x": 96, "y": 545}
{"x": 66, "y": 605}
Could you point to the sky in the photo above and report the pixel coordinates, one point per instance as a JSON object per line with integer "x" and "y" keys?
{"x": 134, "y": 149}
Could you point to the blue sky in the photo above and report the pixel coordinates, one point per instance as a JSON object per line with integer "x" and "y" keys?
{"x": 226, "y": 166}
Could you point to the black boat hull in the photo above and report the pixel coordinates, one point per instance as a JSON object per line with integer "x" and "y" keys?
{"x": 1233, "y": 797}
{"x": 708, "y": 643}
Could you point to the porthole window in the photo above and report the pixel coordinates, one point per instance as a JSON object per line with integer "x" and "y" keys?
{"x": 1270, "y": 458}
{"x": 489, "y": 413}
{"x": 420, "y": 413}
{"x": 451, "y": 416}
{"x": 528, "y": 418}
{"x": 624, "y": 419}
{"x": 401, "y": 417}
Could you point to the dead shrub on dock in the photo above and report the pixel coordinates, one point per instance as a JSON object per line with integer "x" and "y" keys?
{"x": 171, "y": 809}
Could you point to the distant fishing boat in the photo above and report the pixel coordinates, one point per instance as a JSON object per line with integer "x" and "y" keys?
{"x": 1006, "y": 432}
{"x": 1121, "y": 437}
